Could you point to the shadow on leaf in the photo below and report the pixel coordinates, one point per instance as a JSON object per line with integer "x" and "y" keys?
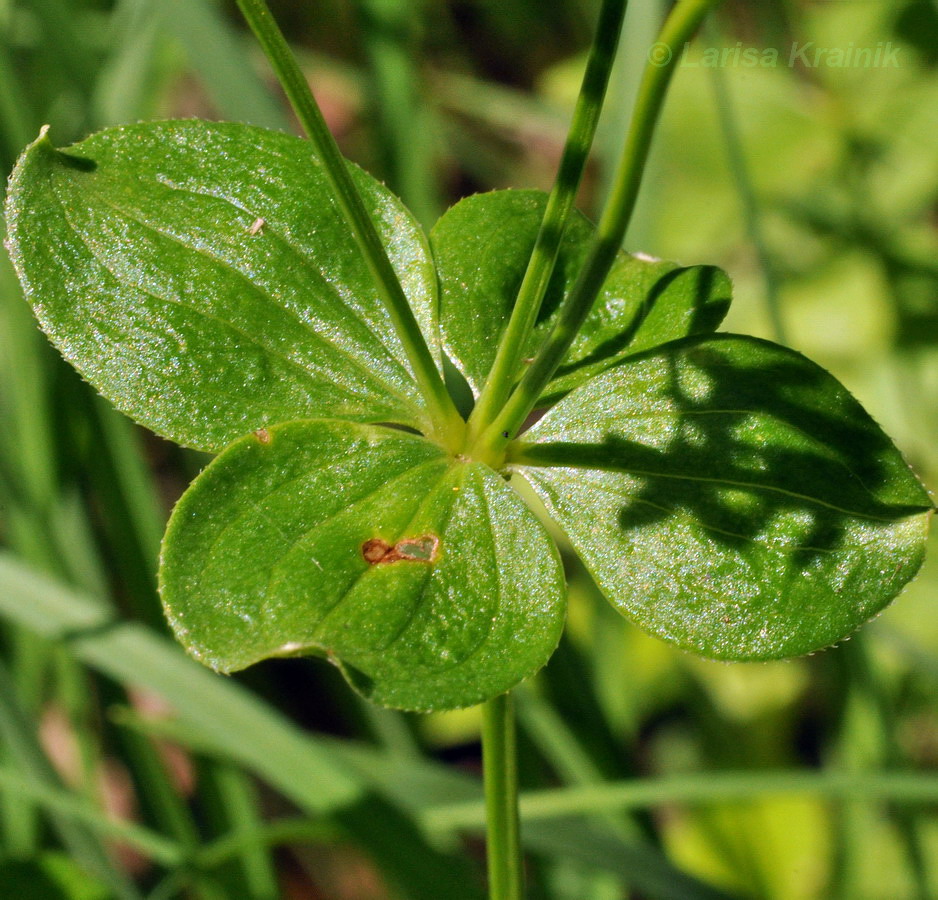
{"x": 707, "y": 314}
{"x": 759, "y": 445}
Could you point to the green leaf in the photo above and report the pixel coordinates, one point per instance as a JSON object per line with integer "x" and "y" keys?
{"x": 741, "y": 504}
{"x": 482, "y": 246}
{"x": 200, "y": 276}
{"x": 425, "y": 578}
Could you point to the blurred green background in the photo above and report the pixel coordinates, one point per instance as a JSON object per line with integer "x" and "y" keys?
{"x": 798, "y": 150}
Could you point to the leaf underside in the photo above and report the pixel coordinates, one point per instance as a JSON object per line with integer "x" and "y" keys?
{"x": 201, "y": 277}
{"x": 426, "y": 579}
{"x": 481, "y": 247}
{"x": 741, "y": 504}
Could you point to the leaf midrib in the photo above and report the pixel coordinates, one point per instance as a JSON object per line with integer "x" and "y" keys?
{"x": 263, "y": 295}
{"x": 752, "y": 486}
{"x": 364, "y": 325}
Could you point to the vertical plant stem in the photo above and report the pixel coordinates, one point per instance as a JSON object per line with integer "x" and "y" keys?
{"x": 402, "y": 116}
{"x": 559, "y": 207}
{"x": 663, "y": 59}
{"x": 500, "y": 769}
{"x": 445, "y": 420}
{"x": 739, "y": 168}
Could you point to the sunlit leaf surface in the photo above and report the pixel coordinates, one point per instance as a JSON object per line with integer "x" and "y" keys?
{"x": 201, "y": 277}
{"x": 731, "y": 497}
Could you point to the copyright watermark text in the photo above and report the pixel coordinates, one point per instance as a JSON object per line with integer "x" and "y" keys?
{"x": 802, "y": 54}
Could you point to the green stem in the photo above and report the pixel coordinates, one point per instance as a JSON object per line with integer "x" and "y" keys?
{"x": 445, "y": 420}
{"x": 402, "y": 117}
{"x": 499, "y": 761}
{"x": 664, "y": 58}
{"x": 589, "y": 104}
{"x": 915, "y": 789}
{"x": 747, "y": 195}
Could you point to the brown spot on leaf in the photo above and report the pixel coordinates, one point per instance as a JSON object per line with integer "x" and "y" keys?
{"x": 263, "y": 435}
{"x": 419, "y": 549}
{"x": 375, "y": 550}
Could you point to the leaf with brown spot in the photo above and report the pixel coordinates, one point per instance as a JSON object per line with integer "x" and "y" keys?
{"x": 420, "y": 549}
{"x": 415, "y": 572}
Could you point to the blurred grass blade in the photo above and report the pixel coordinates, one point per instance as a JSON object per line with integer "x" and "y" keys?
{"x": 16, "y": 121}
{"x": 403, "y": 121}
{"x": 742, "y": 178}
{"x": 129, "y": 82}
{"x": 325, "y": 778}
{"x": 26, "y": 451}
{"x": 640, "y": 30}
{"x": 63, "y": 803}
{"x": 217, "y": 53}
{"x": 84, "y": 846}
{"x": 450, "y": 802}
{"x": 236, "y": 726}
{"x": 868, "y": 740}
{"x": 230, "y": 801}
{"x": 69, "y": 56}
{"x": 162, "y": 803}
{"x": 429, "y": 790}
{"x": 717, "y": 787}
{"x": 116, "y": 471}
{"x": 563, "y": 748}
{"x": 639, "y": 867}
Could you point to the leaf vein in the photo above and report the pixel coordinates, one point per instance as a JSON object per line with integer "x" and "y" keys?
{"x": 271, "y": 299}
{"x": 360, "y": 320}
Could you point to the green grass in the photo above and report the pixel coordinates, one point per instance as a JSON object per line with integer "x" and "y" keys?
{"x": 642, "y": 769}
